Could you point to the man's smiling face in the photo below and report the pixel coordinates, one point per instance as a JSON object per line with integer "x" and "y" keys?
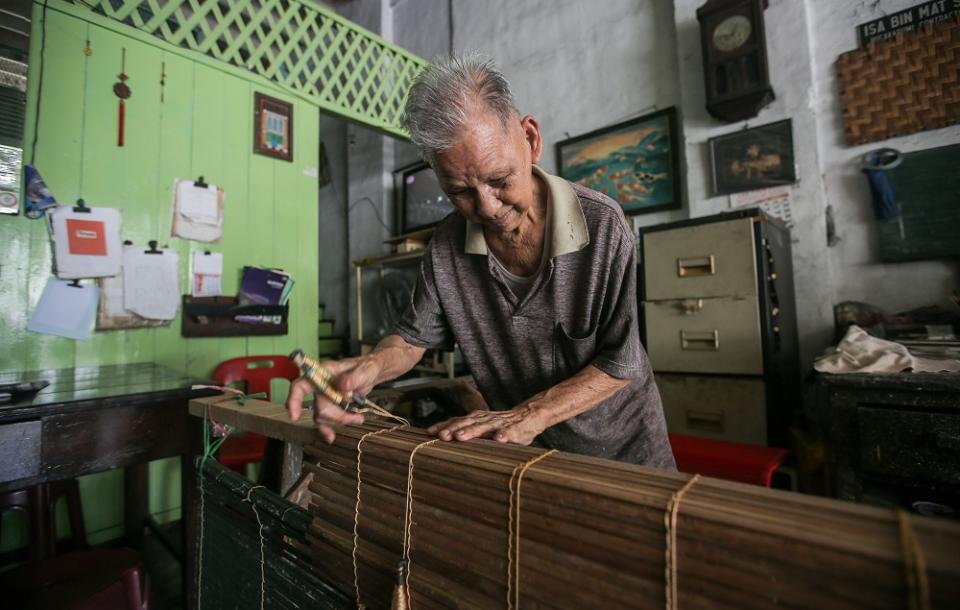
{"x": 487, "y": 173}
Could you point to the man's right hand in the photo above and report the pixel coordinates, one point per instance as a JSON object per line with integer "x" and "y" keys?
{"x": 350, "y": 375}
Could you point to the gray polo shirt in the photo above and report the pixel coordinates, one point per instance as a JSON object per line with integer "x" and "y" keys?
{"x": 581, "y": 309}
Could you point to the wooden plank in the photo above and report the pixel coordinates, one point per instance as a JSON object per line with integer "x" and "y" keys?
{"x": 176, "y": 128}
{"x": 236, "y": 107}
{"x": 206, "y": 156}
{"x": 58, "y": 158}
{"x": 121, "y": 177}
{"x": 266, "y": 418}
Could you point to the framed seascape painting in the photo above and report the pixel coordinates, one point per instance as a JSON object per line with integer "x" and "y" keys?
{"x": 635, "y": 162}
{"x": 753, "y": 159}
{"x": 272, "y": 127}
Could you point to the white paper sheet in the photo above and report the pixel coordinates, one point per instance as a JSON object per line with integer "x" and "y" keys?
{"x": 65, "y": 310}
{"x": 111, "y": 314}
{"x": 207, "y": 271}
{"x": 197, "y": 211}
{"x": 774, "y": 201}
{"x": 151, "y": 283}
{"x": 197, "y": 203}
{"x": 85, "y": 244}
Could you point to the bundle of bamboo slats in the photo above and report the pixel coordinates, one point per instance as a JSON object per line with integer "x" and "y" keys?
{"x": 592, "y": 534}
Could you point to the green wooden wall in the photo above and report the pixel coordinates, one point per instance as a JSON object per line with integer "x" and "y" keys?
{"x": 203, "y": 126}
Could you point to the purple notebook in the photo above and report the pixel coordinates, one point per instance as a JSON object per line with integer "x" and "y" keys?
{"x": 260, "y": 286}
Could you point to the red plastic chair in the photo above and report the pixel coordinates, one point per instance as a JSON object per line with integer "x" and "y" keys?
{"x": 256, "y": 372}
{"x": 742, "y": 462}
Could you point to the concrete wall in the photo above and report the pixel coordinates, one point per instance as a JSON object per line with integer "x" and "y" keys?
{"x": 578, "y": 66}
{"x": 859, "y": 274}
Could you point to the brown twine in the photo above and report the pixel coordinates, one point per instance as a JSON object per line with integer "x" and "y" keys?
{"x": 513, "y": 537}
{"x": 356, "y": 513}
{"x": 914, "y": 565}
{"x": 408, "y": 520}
{"x": 670, "y": 521}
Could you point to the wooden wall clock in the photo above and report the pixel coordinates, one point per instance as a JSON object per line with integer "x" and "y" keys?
{"x": 734, "y": 58}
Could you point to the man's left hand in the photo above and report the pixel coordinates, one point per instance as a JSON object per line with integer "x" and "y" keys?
{"x": 519, "y": 426}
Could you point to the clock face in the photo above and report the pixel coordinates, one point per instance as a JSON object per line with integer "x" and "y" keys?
{"x": 731, "y": 33}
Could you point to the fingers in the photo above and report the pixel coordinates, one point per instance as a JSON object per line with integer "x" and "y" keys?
{"x": 481, "y": 424}
{"x": 300, "y": 389}
{"x": 503, "y": 427}
{"x": 327, "y": 415}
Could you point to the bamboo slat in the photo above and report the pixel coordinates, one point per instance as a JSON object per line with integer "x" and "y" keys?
{"x": 593, "y": 532}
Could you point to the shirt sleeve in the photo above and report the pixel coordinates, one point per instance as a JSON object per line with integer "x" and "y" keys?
{"x": 619, "y": 352}
{"x": 423, "y": 323}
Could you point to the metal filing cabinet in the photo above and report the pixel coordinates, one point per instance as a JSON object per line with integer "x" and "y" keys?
{"x": 719, "y": 325}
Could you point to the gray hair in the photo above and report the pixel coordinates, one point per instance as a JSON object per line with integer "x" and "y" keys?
{"x": 443, "y": 93}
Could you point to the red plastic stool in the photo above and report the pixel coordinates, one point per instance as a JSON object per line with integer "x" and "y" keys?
{"x": 102, "y": 579}
{"x": 256, "y": 372}
{"x": 742, "y": 462}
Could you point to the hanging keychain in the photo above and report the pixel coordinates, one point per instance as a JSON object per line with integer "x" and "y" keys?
{"x": 121, "y": 90}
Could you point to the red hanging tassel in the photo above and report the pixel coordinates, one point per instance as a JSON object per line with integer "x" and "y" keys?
{"x": 120, "y": 120}
{"x": 121, "y": 90}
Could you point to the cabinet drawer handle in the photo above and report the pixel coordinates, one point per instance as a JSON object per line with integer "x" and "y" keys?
{"x": 700, "y": 340}
{"x": 696, "y": 266}
{"x": 705, "y": 420}
{"x": 947, "y": 441}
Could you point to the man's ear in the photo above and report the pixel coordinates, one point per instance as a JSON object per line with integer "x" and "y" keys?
{"x": 531, "y": 133}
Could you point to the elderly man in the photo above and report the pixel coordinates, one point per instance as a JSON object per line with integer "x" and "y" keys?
{"x": 534, "y": 278}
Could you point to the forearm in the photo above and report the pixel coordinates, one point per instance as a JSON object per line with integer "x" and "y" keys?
{"x": 571, "y": 397}
{"x": 393, "y": 357}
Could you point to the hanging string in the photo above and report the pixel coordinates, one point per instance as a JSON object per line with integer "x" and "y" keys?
{"x": 408, "y": 519}
{"x": 356, "y": 511}
{"x": 376, "y": 409}
{"x": 670, "y": 521}
{"x": 513, "y": 530}
{"x": 914, "y": 565}
{"x": 263, "y": 576}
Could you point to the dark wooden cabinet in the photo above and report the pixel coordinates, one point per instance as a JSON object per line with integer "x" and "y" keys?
{"x": 893, "y": 438}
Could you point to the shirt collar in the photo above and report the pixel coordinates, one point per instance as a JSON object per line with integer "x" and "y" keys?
{"x": 568, "y": 226}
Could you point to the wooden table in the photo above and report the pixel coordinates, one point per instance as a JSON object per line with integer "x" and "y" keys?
{"x": 92, "y": 419}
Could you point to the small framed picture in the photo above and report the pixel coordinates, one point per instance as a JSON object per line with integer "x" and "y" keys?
{"x": 272, "y": 127}
{"x": 753, "y": 159}
{"x": 635, "y": 162}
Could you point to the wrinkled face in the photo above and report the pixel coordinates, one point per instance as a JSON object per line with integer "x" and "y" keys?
{"x": 487, "y": 174}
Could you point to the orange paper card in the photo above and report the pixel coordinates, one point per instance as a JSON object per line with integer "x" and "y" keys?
{"x": 86, "y": 237}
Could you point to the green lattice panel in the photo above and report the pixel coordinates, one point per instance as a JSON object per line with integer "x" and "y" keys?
{"x": 344, "y": 68}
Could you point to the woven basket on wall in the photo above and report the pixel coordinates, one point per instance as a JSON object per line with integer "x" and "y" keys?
{"x": 900, "y": 86}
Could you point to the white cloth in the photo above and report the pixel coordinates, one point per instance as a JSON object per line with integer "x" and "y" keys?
{"x": 860, "y": 352}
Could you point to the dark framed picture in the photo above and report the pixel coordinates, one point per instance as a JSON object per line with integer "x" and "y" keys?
{"x": 272, "y": 127}
{"x": 636, "y": 162}
{"x": 753, "y": 158}
{"x": 423, "y": 203}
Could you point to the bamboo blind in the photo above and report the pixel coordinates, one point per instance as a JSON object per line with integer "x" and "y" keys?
{"x": 592, "y": 532}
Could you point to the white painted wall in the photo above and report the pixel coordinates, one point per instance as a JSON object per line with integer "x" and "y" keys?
{"x": 791, "y": 75}
{"x": 579, "y": 66}
{"x": 858, "y": 273}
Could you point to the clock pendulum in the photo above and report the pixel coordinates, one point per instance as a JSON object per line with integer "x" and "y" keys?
{"x": 122, "y": 91}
